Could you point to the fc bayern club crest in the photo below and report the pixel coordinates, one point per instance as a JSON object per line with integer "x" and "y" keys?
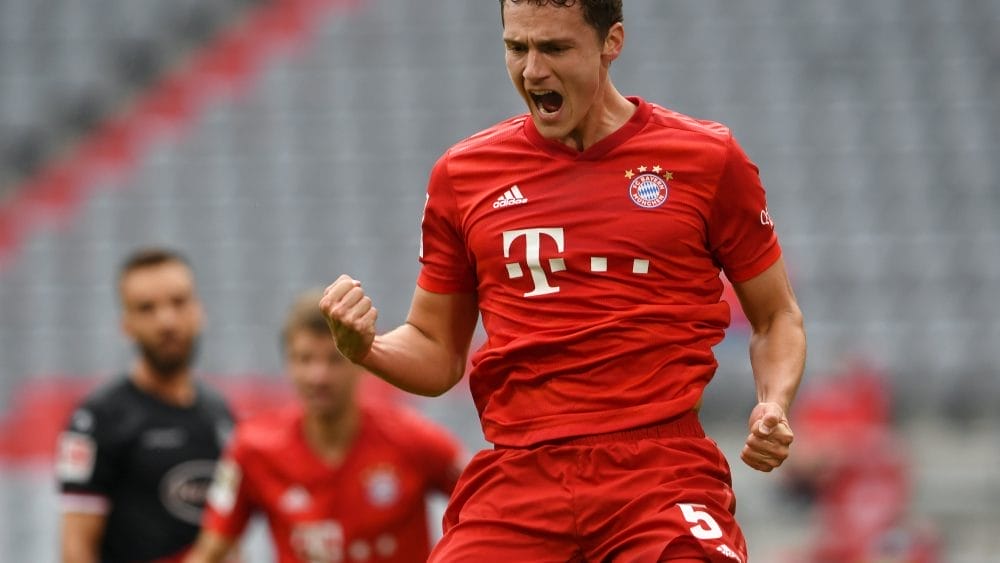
{"x": 649, "y": 188}
{"x": 383, "y": 485}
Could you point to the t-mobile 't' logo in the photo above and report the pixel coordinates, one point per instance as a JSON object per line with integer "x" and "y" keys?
{"x": 533, "y": 258}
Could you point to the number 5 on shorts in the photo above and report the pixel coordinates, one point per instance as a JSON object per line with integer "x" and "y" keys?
{"x": 706, "y": 527}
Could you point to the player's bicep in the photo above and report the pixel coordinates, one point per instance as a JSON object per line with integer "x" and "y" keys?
{"x": 767, "y": 295}
{"x": 81, "y": 535}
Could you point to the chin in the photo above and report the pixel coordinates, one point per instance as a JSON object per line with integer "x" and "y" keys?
{"x": 323, "y": 408}
{"x": 555, "y": 132}
{"x": 166, "y": 367}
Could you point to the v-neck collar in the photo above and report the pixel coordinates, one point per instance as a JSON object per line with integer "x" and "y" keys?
{"x": 349, "y": 451}
{"x": 602, "y": 147}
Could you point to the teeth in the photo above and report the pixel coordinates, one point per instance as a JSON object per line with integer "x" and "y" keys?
{"x": 538, "y": 96}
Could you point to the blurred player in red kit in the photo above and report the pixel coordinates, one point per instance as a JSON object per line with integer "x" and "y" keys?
{"x": 851, "y": 465}
{"x": 338, "y": 477}
{"x": 589, "y": 234}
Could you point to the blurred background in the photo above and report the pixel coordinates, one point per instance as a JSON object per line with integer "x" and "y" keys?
{"x": 281, "y": 142}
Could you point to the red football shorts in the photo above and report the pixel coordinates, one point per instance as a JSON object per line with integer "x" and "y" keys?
{"x": 648, "y": 495}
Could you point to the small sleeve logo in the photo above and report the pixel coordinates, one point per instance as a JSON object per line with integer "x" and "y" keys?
{"x": 76, "y": 457}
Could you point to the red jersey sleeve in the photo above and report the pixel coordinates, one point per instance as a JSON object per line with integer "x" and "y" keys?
{"x": 229, "y": 505}
{"x": 740, "y": 231}
{"x": 447, "y": 267}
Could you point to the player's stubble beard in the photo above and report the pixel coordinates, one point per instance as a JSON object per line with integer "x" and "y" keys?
{"x": 166, "y": 366}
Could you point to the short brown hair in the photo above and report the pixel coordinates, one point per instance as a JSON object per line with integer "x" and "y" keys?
{"x": 600, "y": 14}
{"x": 147, "y": 257}
{"x": 305, "y": 314}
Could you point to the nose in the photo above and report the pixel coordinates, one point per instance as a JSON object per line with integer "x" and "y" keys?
{"x": 167, "y": 317}
{"x": 315, "y": 372}
{"x": 535, "y": 68}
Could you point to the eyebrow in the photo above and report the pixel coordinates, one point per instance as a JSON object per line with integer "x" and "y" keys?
{"x": 542, "y": 44}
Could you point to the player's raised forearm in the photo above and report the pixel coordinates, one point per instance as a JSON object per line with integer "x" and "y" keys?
{"x": 414, "y": 362}
{"x": 427, "y": 354}
{"x": 778, "y": 340}
{"x": 777, "y": 354}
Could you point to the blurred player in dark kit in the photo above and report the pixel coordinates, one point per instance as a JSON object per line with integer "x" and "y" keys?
{"x": 138, "y": 454}
{"x": 590, "y": 235}
{"x": 339, "y": 477}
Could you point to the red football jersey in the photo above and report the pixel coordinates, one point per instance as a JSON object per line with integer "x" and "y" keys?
{"x": 369, "y": 507}
{"x": 597, "y": 271}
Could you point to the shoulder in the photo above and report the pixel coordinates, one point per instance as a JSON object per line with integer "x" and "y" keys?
{"x": 108, "y": 397}
{"x": 404, "y": 426}
{"x": 711, "y": 133}
{"x": 482, "y": 152}
{"x": 267, "y": 432}
{"x": 110, "y": 413}
{"x": 490, "y": 138}
{"x": 110, "y": 392}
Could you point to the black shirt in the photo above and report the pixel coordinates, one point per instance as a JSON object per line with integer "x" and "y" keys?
{"x": 146, "y": 463}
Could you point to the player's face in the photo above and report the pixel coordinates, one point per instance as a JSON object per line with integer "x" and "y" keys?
{"x": 324, "y": 379}
{"x": 559, "y": 65}
{"x": 162, "y": 314}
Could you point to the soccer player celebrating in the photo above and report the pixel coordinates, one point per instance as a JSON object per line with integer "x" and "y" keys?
{"x": 590, "y": 235}
{"x": 338, "y": 477}
{"x": 139, "y": 452}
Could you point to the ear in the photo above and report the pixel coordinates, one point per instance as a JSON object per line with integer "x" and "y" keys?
{"x": 613, "y": 43}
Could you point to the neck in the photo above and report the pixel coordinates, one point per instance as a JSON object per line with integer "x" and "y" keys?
{"x": 173, "y": 388}
{"x": 610, "y": 112}
{"x": 330, "y": 436}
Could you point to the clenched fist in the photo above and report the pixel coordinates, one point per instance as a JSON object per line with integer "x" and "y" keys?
{"x": 350, "y": 316}
{"x": 769, "y": 439}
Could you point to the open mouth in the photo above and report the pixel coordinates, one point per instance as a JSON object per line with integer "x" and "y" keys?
{"x": 548, "y": 102}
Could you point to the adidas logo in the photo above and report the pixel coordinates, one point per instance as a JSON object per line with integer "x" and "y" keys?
{"x": 728, "y": 552}
{"x": 511, "y": 197}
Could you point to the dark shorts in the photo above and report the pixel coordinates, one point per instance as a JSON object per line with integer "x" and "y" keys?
{"x": 640, "y": 496}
